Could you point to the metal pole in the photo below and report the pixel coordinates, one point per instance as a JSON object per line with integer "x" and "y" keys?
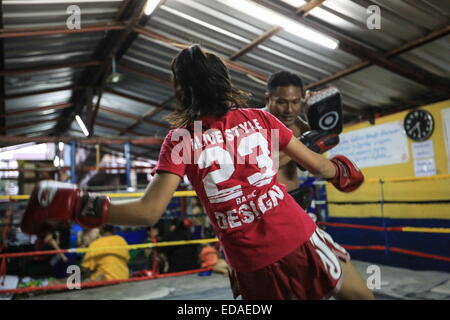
{"x": 127, "y": 147}
{"x": 73, "y": 166}
{"x": 385, "y": 232}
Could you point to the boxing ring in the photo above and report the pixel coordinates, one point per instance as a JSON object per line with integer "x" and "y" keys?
{"x": 148, "y": 284}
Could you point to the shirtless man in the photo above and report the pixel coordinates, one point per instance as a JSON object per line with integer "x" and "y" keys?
{"x": 287, "y": 100}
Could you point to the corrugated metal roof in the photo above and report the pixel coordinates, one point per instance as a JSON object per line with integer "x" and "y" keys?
{"x": 223, "y": 30}
{"x": 23, "y": 14}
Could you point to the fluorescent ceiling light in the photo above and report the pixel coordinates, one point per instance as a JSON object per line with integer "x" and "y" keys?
{"x": 56, "y": 161}
{"x": 151, "y": 6}
{"x": 295, "y": 3}
{"x": 205, "y": 24}
{"x": 289, "y": 25}
{"x": 320, "y": 13}
{"x": 82, "y": 126}
{"x": 26, "y": 2}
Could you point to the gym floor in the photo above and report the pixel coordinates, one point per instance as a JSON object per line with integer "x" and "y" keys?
{"x": 396, "y": 284}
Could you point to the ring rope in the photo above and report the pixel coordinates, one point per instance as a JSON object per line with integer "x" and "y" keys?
{"x": 90, "y": 284}
{"x": 193, "y": 193}
{"x": 378, "y": 228}
{"x": 111, "y": 195}
{"x": 398, "y": 250}
{"x": 129, "y": 247}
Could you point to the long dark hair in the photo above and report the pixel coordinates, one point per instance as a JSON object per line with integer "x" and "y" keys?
{"x": 202, "y": 87}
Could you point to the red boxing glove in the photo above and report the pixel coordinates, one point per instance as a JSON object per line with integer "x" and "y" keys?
{"x": 348, "y": 176}
{"x": 54, "y": 203}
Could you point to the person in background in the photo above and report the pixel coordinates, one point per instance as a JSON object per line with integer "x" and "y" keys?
{"x": 198, "y": 219}
{"x": 182, "y": 257}
{"x": 209, "y": 257}
{"x": 155, "y": 254}
{"x": 287, "y": 100}
{"x": 86, "y": 236}
{"x": 44, "y": 265}
{"x": 109, "y": 264}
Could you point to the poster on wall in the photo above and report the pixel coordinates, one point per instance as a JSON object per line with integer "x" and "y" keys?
{"x": 379, "y": 145}
{"x": 423, "y": 154}
{"x": 446, "y": 126}
{"x": 424, "y": 167}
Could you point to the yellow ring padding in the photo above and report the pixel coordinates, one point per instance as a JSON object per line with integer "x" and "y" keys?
{"x": 146, "y": 245}
{"x": 111, "y": 195}
{"x": 426, "y": 230}
{"x": 193, "y": 193}
{"x": 437, "y": 177}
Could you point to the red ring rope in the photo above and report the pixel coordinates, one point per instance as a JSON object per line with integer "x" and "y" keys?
{"x": 359, "y": 226}
{"x": 398, "y": 250}
{"x": 63, "y": 286}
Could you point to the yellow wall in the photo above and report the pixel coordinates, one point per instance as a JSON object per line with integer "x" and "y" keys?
{"x": 416, "y": 190}
{"x": 407, "y": 169}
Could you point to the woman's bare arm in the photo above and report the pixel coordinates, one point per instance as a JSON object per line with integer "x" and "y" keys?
{"x": 147, "y": 210}
{"x": 311, "y": 161}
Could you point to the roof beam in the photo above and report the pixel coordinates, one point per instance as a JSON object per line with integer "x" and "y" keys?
{"x": 25, "y": 111}
{"x": 128, "y": 37}
{"x": 66, "y": 139}
{"x": 405, "y": 69}
{"x": 35, "y": 93}
{"x": 145, "y": 75}
{"x": 2, "y": 78}
{"x": 15, "y": 72}
{"x": 33, "y": 32}
{"x": 177, "y": 44}
{"x": 148, "y": 114}
{"x": 137, "y": 99}
{"x": 307, "y": 8}
{"x": 434, "y": 35}
{"x": 27, "y": 124}
{"x": 115, "y": 139}
{"x": 106, "y": 51}
{"x": 256, "y": 42}
{"x": 131, "y": 116}
{"x": 303, "y": 11}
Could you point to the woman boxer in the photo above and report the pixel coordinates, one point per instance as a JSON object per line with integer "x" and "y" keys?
{"x": 229, "y": 154}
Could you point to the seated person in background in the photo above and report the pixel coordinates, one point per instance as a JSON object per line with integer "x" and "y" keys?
{"x": 162, "y": 265}
{"x": 198, "y": 219}
{"x": 44, "y": 265}
{"x": 86, "y": 236}
{"x": 181, "y": 257}
{"x": 209, "y": 257}
{"x": 109, "y": 264}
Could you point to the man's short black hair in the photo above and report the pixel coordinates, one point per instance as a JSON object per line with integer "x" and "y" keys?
{"x": 283, "y": 79}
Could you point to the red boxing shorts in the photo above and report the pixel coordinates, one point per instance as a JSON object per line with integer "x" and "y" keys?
{"x": 311, "y": 272}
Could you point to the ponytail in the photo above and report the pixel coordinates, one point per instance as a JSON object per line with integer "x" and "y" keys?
{"x": 202, "y": 87}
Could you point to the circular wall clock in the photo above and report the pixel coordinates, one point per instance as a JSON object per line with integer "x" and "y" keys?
{"x": 419, "y": 125}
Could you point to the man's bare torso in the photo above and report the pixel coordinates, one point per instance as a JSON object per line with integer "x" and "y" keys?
{"x": 288, "y": 172}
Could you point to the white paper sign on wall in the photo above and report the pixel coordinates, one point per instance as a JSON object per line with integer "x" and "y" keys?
{"x": 380, "y": 145}
{"x": 423, "y": 150}
{"x": 424, "y": 167}
{"x": 446, "y": 126}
